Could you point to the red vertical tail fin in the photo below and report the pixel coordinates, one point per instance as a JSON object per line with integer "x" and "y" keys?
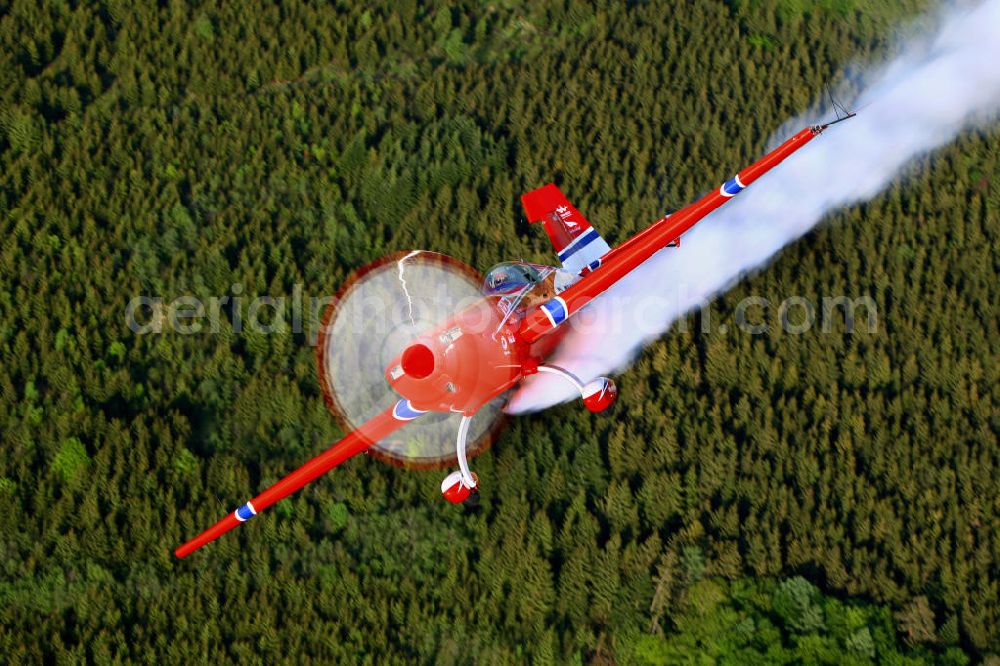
{"x": 577, "y": 243}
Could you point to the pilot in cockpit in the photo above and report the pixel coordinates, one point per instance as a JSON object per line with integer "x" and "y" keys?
{"x": 525, "y": 285}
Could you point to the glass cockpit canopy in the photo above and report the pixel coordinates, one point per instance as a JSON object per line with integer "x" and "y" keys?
{"x": 513, "y": 277}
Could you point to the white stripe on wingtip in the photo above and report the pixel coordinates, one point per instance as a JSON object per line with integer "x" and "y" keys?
{"x": 565, "y": 307}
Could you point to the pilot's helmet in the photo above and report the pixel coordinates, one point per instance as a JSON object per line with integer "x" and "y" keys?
{"x": 510, "y": 277}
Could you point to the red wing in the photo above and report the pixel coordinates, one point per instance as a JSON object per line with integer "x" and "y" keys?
{"x": 578, "y": 244}
{"x": 352, "y": 444}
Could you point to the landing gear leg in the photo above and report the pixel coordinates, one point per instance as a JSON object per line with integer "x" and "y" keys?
{"x": 562, "y": 372}
{"x": 460, "y": 449}
{"x": 462, "y": 486}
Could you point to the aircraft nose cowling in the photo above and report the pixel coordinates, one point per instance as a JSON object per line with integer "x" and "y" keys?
{"x": 460, "y": 365}
{"x": 424, "y": 373}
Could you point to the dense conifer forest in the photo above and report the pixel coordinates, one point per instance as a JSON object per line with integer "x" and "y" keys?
{"x": 819, "y": 498}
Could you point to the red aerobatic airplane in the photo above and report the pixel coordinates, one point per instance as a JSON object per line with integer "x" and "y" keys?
{"x": 484, "y": 350}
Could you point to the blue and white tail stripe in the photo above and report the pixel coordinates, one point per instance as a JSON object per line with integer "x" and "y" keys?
{"x": 578, "y": 243}
{"x": 555, "y": 310}
{"x": 404, "y": 411}
{"x": 245, "y": 512}
{"x": 583, "y": 250}
{"x": 732, "y": 187}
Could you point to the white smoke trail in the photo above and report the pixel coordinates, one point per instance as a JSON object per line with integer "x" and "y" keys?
{"x": 937, "y": 86}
